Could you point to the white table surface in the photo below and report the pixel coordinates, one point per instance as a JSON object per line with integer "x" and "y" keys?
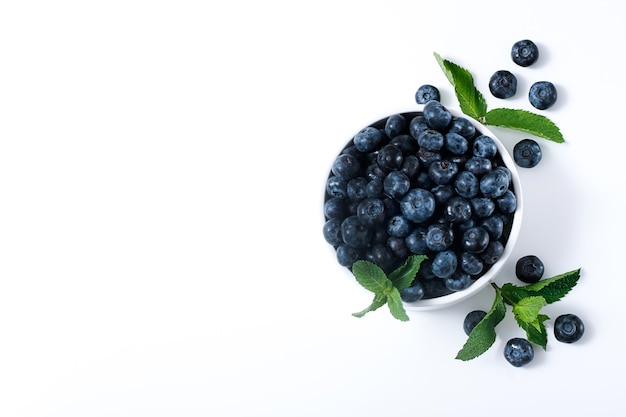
{"x": 161, "y": 171}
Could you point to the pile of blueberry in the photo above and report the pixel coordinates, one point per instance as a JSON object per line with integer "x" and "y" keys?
{"x": 518, "y": 351}
{"x": 421, "y": 183}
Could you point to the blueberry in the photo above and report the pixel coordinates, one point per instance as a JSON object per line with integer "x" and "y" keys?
{"x": 463, "y": 127}
{"x": 346, "y": 166}
{"x": 471, "y": 263}
{"x": 398, "y": 226}
{"x": 332, "y": 231}
{"x": 529, "y": 269}
{"x": 335, "y": 208}
{"x": 425, "y": 93}
{"x": 374, "y": 171}
{"x": 444, "y": 264}
{"x": 458, "y": 281}
{"x": 568, "y": 328}
{"x": 442, "y": 172}
{"x": 413, "y": 293}
{"x": 492, "y": 254}
{"x": 456, "y": 143}
{"x": 478, "y": 165}
{"x": 410, "y": 165}
{"x": 416, "y": 240}
{"x": 457, "y": 210}
{"x": 503, "y": 84}
{"x": 371, "y": 211}
{"x": 524, "y": 53}
{"x": 356, "y": 189}
{"x": 418, "y": 125}
{"x": 494, "y": 184}
{"x": 396, "y": 184}
{"x": 418, "y": 205}
{"x": 443, "y": 193}
{"x": 390, "y": 158}
{"x": 436, "y": 115}
{"x": 475, "y": 240}
{"x": 374, "y": 188}
{"x": 336, "y": 187}
{"x": 398, "y": 248}
{"x": 431, "y": 140}
{"x": 347, "y": 255}
{"x": 380, "y": 255}
{"x": 472, "y": 319}
{"x": 518, "y": 352}
{"x": 439, "y": 236}
{"x": 466, "y": 184}
{"x": 395, "y": 125}
{"x": 507, "y": 203}
{"x": 484, "y": 147}
{"x": 427, "y": 157}
{"x": 527, "y": 153}
{"x": 354, "y": 233}
{"x": 405, "y": 143}
{"x": 542, "y": 95}
{"x": 368, "y": 139}
{"x": 482, "y": 206}
{"x": 494, "y": 225}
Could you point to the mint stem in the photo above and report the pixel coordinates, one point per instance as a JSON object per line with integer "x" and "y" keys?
{"x": 504, "y": 296}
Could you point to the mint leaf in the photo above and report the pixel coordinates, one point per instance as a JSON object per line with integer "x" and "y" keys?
{"x": 555, "y": 288}
{"x": 394, "y": 301}
{"x": 484, "y": 334}
{"x": 536, "y": 331}
{"x": 379, "y": 301}
{"x": 471, "y": 100}
{"x": 527, "y": 309}
{"x": 371, "y": 277}
{"x": 404, "y": 275}
{"x": 512, "y": 293}
{"x": 524, "y": 121}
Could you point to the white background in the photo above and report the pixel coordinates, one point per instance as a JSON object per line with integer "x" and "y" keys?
{"x": 162, "y": 165}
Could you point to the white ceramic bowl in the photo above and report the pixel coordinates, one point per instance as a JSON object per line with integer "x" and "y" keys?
{"x": 490, "y": 275}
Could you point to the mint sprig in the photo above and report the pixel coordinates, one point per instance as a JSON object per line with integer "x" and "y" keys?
{"x": 473, "y": 104}
{"x": 386, "y": 289}
{"x": 527, "y": 302}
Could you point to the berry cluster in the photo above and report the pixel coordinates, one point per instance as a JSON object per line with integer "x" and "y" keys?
{"x": 421, "y": 183}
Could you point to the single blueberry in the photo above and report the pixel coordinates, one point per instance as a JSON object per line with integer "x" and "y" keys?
{"x": 529, "y": 269}
{"x": 493, "y": 253}
{"x": 336, "y": 187}
{"x": 436, "y": 115}
{"x": 444, "y": 264}
{"x": 443, "y": 193}
{"x": 371, "y": 211}
{"x": 418, "y": 125}
{"x": 439, "y": 237}
{"x": 456, "y": 143}
{"x": 374, "y": 188}
{"x": 475, "y": 240}
{"x": 478, "y": 165}
{"x": 395, "y": 125}
{"x": 507, "y": 203}
{"x": 457, "y": 210}
{"x": 472, "y": 319}
{"x": 485, "y": 147}
{"x": 568, "y": 328}
{"x": 463, "y": 127}
{"x": 356, "y": 188}
{"x": 471, "y": 263}
{"x": 503, "y": 84}
{"x": 398, "y": 226}
{"x": 373, "y": 171}
{"x": 458, "y": 281}
{"x": 494, "y": 225}
{"x": 527, "y": 153}
{"x": 518, "y": 352}
{"x": 332, "y": 231}
{"x": 398, "y": 248}
{"x": 413, "y": 293}
{"x": 390, "y": 158}
{"x": 482, "y": 206}
{"x": 542, "y": 95}
{"x": 524, "y": 53}
{"x": 347, "y": 255}
{"x": 354, "y": 233}
{"x": 396, "y": 184}
{"x": 346, "y": 166}
{"x": 381, "y": 256}
{"x": 418, "y": 205}
{"x": 494, "y": 184}
{"x": 335, "y": 208}
{"x": 405, "y": 143}
{"x": 425, "y": 93}
{"x": 427, "y": 157}
{"x": 368, "y": 139}
{"x": 410, "y": 165}
{"x": 442, "y": 172}
{"x": 416, "y": 241}
{"x": 466, "y": 184}
{"x": 431, "y": 140}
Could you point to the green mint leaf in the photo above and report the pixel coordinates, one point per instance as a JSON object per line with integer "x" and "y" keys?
{"x": 555, "y": 288}
{"x": 536, "y": 331}
{"x": 404, "y": 275}
{"x": 524, "y": 121}
{"x": 471, "y": 100}
{"x": 527, "y": 309}
{"x": 371, "y": 277}
{"x": 379, "y": 301}
{"x": 394, "y": 301}
{"x": 484, "y": 334}
{"x": 512, "y": 294}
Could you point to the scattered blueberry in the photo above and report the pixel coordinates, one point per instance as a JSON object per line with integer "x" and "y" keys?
{"x": 524, "y": 53}
{"x": 527, "y": 153}
{"x": 426, "y": 93}
{"x": 503, "y": 84}
{"x": 472, "y": 319}
{"x": 568, "y": 328}
{"x": 518, "y": 352}
{"x": 529, "y": 269}
{"x": 542, "y": 95}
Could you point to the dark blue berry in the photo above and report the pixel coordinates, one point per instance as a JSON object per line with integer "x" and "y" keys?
{"x": 458, "y": 281}
{"x": 456, "y": 143}
{"x": 418, "y": 205}
{"x": 390, "y": 158}
{"x": 444, "y": 264}
{"x": 396, "y": 184}
{"x": 346, "y": 166}
{"x": 463, "y": 127}
{"x": 493, "y": 253}
{"x": 457, "y": 210}
{"x": 373, "y": 171}
{"x": 418, "y": 125}
{"x": 482, "y": 206}
{"x": 518, "y": 352}
{"x": 354, "y": 233}
{"x": 478, "y": 165}
{"x": 410, "y": 165}
{"x": 368, "y": 139}
{"x": 484, "y": 146}
{"x": 356, "y": 189}
{"x": 494, "y": 225}
{"x": 475, "y": 240}
{"x": 471, "y": 263}
{"x": 503, "y": 84}
{"x": 568, "y": 328}
{"x": 395, "y": 125}
{"x": 398, "y": 248}
{"x": 425, "y": 93}
{"x": 413, "y": 293}
{"x": 494, "y": 184}
{"x": 398, "y": 226}
{"x": 347, "y": 255}
{"x": 336, "y": 187}
{"x": 443, "y": 193}
{"x": 406, "y": 143}
{"x": 466, "y": 184}
{"x": 442, "y": 172}
{"x": 416, "y": 241}
{"x": 375, "y": 188}
{"x": 542, "y": 95}
{"x": 380, "y": 255}
{"x": 524, "y": 53}
{"x": 436, "y": 115}
{"x": 335, "y": 208}
{"x": 371, "y": 211}
{"x": 439, "y": 237}
{"x": 472, "y": 319}
{"x": 529, "y": 269}
{"x": 527, "y": 153}
{"x": 507, "y": 203}
{"x": 431, "y": 140}
{"x": 332, "y": 231}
